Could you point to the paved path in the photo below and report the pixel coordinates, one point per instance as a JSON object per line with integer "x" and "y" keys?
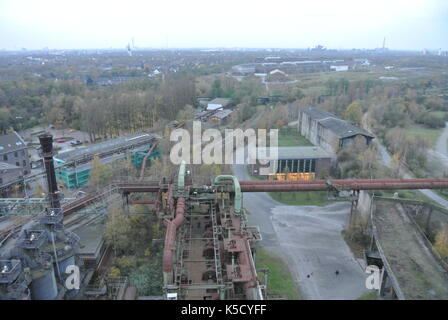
{"x": 442, "y": 142}
{"x": 309, "y": 239}
{"x": 386, "y": 159}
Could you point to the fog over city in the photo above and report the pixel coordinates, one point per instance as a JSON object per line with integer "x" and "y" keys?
{"x": 345, "y": 24}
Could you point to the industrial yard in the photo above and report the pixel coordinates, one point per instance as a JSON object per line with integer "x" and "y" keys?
{"x": 149, "y": 153}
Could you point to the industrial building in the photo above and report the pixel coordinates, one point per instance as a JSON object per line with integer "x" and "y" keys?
{"x": 74, "y": 166}
{"x": 220, "y": 117}
{"x": 277, "y": 76}
{"x": 13, "y": 154}
{"x": 34, "y": 255}
{"x": 329, "y": 132}
{"x": 209, "y": 247}
{"x": 294, "y": 163}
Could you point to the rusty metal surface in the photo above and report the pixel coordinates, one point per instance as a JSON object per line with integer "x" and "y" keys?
{"x": 170, "y": 237}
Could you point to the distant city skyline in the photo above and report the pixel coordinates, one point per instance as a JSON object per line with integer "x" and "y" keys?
{"x": 344, "y": 24}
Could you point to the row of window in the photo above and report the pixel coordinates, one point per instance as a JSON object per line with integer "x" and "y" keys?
{"x": 16, "y": 154}
{"x": 296, "y": 165}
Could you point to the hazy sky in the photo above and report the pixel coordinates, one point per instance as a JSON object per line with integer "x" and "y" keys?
{"x": 68, "y": 24}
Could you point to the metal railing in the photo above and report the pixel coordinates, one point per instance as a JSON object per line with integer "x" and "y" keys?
{"x": 32, "y": 239}
{"x": 9, "y": 270}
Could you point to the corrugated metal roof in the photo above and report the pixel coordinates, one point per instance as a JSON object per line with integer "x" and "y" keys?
{"x": 102, "y": 147}
{"x": 11, "y": 142}
{"x": 221, "y": 114}
{"x": 342, "y": 128}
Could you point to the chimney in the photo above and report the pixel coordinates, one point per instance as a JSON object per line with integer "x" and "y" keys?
{"x": 46, "y": 141}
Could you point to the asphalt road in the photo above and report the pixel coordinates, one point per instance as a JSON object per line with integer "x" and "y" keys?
{"x": 309, "y": 240}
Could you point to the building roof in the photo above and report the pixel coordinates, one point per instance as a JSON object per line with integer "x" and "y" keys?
{"x": 11, "y": 142}
{"x": 222, "y": 101}
{"x": 221, "y": 114}
{"x": 307, "y": 152}
{"x": 8, "y": 166}
{"x": 342, "y": 128}
{"x": 317, "y": 114}
{"x": 277, "y": 71}
{"x": 125, "y": 142}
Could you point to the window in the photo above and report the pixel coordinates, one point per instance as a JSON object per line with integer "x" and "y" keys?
{"x": 16, "y": 154}
{"x": 295, "y": 166}
{"x": 313, "y": 165}
{"x": 307, "y": 165}
{"x": 18, "y": 164}
{"x": 301, "y": 165}
{"x": 5, "y": 157}
{"x": 24, "y": 163}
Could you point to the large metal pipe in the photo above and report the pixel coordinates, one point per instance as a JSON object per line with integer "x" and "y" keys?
{"x": 322, "y": 185}
{"x": 46, "y": 141}
{"x": 170, "y": 237}
{"x": 340, "y": 181}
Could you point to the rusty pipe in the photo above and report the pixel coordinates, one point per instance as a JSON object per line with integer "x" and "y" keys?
{"x": 170, "y": 236}
{"x": 347, "y": 185}
{"x": 342, "y": 181}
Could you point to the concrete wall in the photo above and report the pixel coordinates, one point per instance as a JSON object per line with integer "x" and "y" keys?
{"x": 317, "y": 134}
{"x": 364, "y": 203}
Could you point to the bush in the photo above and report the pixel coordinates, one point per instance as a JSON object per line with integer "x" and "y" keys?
{"x": 432, "y": 121}
{"x": 441, "y": 244}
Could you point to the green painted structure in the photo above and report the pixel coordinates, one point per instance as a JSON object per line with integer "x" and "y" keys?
{"x": 76, "y": 177}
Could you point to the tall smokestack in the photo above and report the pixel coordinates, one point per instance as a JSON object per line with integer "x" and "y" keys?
{"x": 46, "y": 141}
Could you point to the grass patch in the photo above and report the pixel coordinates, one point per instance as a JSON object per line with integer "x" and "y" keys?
{"x": 280, "y": 280}
{"x": 369, "y": 296}
{"x": 431, "y": 135}
{"x": 412, "y": 195}
{"x": 309, "y": 198}
{"x": 290, "y": 137}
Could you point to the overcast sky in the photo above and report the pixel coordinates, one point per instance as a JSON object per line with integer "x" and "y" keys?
{"x": 338, "y": 24}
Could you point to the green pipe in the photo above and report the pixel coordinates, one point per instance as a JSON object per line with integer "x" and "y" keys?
{"x": 237, "y": 189}
{"x": 181, "y": 177}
